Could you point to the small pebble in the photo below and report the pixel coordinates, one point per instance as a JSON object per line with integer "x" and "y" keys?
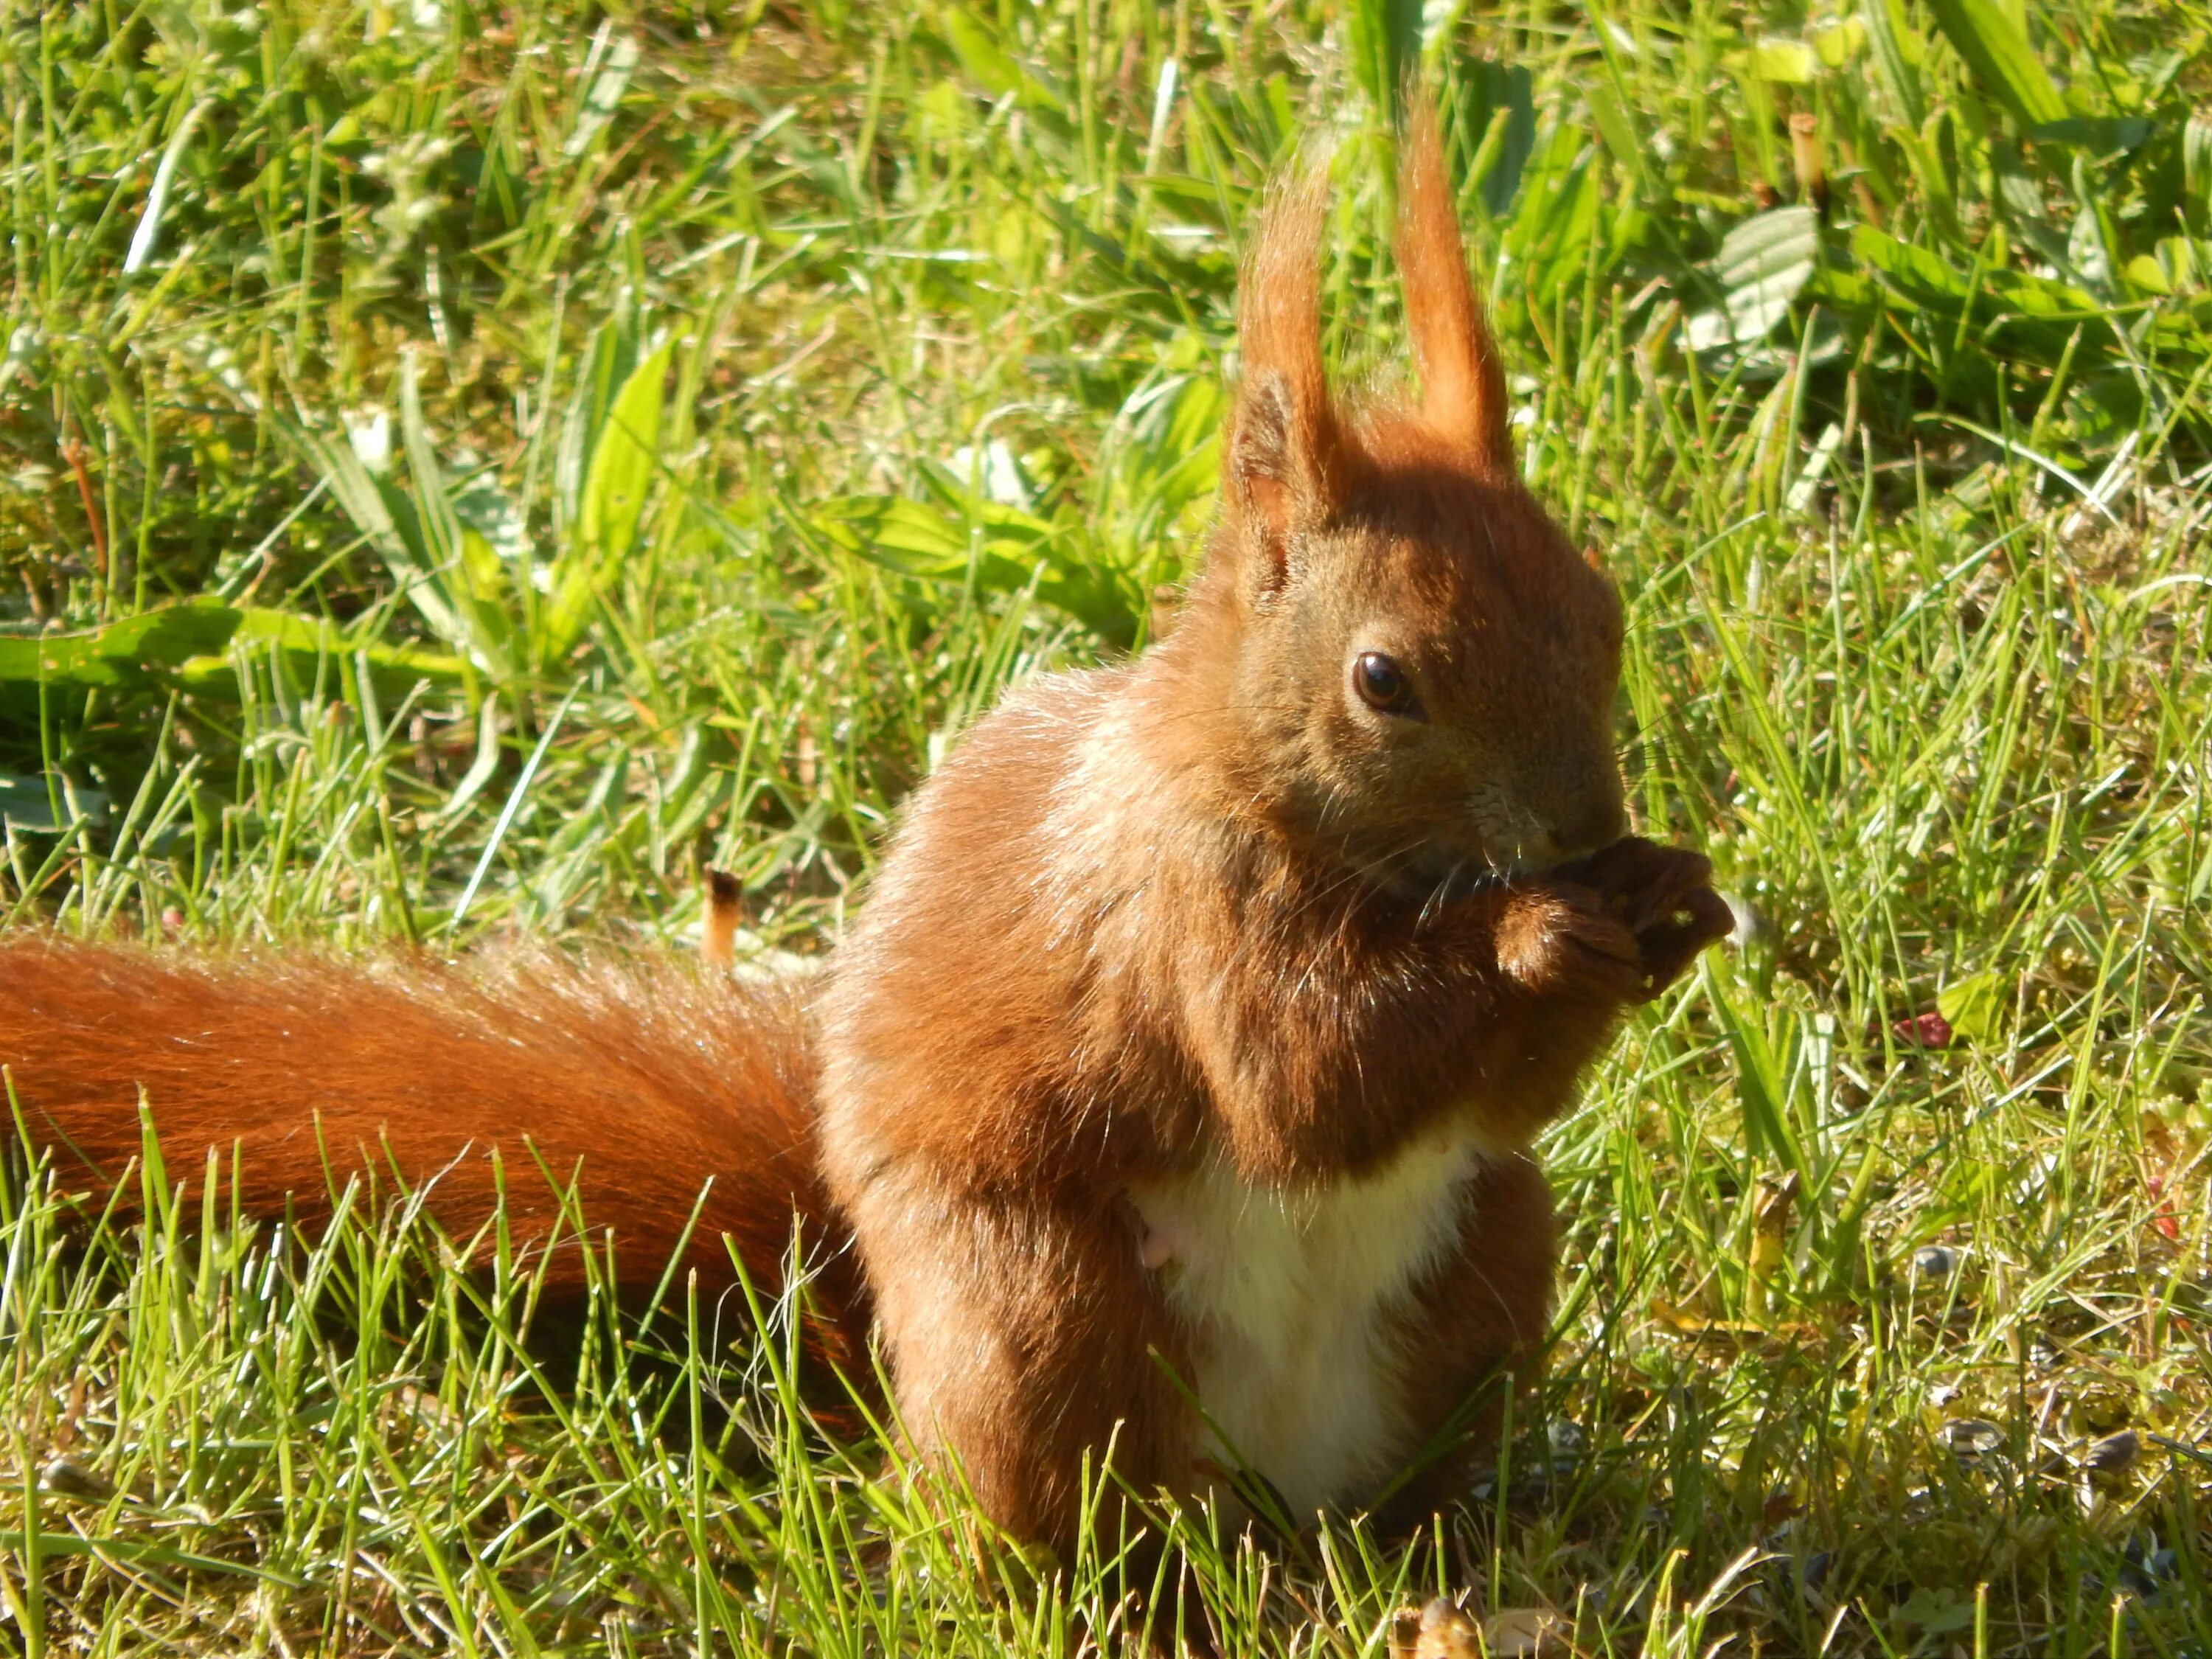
{"x": 1935, "y": 1261}
{"x": 2145, "y": 1575}
{"x": 2114, "y": 1453}
{"x": 1971, "y": 1438}
{"x": 1525, "y": 1633}
{"x": 68, "y": 1478}
{"x": 1804, "y": 1578}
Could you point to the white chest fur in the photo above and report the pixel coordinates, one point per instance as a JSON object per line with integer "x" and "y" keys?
{"x": 1289, "y": 1297}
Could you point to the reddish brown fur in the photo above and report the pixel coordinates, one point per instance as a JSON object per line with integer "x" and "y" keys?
{"x": 1207, "y": 916}
{"x": 639, "y": 1085}
{"x": 1463, "y": 376}
{"x": 1229, "y": 917}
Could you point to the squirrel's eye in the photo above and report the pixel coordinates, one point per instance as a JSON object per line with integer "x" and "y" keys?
{"x": 1382, "y": 684}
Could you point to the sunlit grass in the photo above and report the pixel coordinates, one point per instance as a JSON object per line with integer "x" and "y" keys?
{"x": 471, "y": 468}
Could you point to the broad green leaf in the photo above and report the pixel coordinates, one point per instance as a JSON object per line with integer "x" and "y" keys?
{"x": 908, "y": 537}
{"x": 1888, "y": 36}
{"x": 615, "y": 484}
{"x": 1006, "y": 551}
{"x": 2099, "y": 135}
{"x": 991, "y": 67}
{"x": 1763, "y": 1082}
{"x": 1996, "y": 50}
{"x": 389, "y": 519}
{"x": 1763, "y": 266}
{"x": 28, "y": 804}
{"x": 1791, "y": 62}
{"x": 126, "y": 652}
{"x": 306, "y": 640}
{"x": 624, "y": 461}
{"x": 1838, "y": 43}
{"x": 1974, "y": 1007}
{"x": 1557, "y": 214}
{"x": 2148, "y": 275}
{"x": 1935, "y": 1612}
{"x": 1615, "y": 126}
{"x": 976, "y": 47}
{"x": 2196, "y": 170}
{"x": 1498, "y": 118}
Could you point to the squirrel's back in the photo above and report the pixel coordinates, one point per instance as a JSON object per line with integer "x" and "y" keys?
{"x": 643, "y": 1082}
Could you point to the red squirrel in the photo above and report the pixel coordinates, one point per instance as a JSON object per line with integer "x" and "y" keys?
{"x": 1193, "y": 1034}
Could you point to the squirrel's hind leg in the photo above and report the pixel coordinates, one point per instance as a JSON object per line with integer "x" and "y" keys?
{"x": 1023, "y": 1341}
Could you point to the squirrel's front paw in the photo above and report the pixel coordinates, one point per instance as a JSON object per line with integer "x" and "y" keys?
{"x": 1552, "y": 942}
{"x": 1664, "y": 896}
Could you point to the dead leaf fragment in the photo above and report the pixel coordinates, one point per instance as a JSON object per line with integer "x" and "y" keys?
{"x": 1446, "y": 1634}
{"x": 1526, "y": 1633}
{"x": 1443, "y": 1629}
{"x": 1439, "y": 1631}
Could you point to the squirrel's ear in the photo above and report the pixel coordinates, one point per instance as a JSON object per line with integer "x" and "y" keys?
{"x": 1285, "y": 467}
{"x": 1462, "y": 379}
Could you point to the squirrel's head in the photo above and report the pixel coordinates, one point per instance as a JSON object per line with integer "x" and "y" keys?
{"x": 1416, "y": 664}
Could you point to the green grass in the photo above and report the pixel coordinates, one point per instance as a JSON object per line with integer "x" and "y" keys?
{"x": 466, "y": 466}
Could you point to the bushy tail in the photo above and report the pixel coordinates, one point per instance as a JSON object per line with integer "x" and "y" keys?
{"x": 635, "y": 1084}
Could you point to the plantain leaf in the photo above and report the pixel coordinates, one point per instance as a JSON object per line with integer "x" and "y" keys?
{"x": 130, "y": 652}
{"x": 613, "y": 501}
{"x": 305, "y": 641}
{"x": 2196, "y": 171}
{"x": 2099, "y": 135}
{"x": 1764, "y": 265}
{"x": 1763, "y": 1071}
{"x": 622, "y": 462}
{"x": 907, "y": 538}
{"x": 1500, "y": 97}
{"x": 960, "y": 538}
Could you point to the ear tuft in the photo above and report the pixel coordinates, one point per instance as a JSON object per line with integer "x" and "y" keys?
{"x": 1463, "y": 377}
{"x": 1260, "y": 452}
{"x": 1285, "y": 459}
